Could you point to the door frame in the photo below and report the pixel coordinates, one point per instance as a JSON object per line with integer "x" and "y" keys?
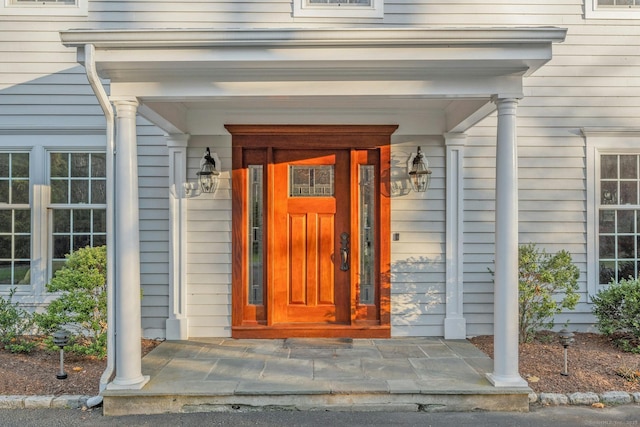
{"x": 253, "y": 321}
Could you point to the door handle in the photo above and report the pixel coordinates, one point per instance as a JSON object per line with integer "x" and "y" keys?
{"x": 344, "y": 251}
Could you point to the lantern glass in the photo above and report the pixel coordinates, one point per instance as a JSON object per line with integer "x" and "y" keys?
{"x": 419, "y": 174}
{"x": 208, "y": 178}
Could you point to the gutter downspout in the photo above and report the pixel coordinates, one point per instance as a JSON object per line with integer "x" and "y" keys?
{"x": 105, "y": 104}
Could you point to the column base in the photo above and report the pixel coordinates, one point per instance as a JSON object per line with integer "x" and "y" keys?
{"x": 177, "y": 329}
{"x": 455, "y": 328}
{"x": 135, "y": 384}
{"x": 507, "y": 380}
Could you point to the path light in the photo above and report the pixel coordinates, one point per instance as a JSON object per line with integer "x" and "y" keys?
{"x": 566, "y": 339}
{"x": 61, "y": 339}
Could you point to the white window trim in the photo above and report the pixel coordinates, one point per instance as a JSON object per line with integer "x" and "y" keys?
{"x": 601, "y": 141}
{"x": 8, "y": 7}
{"x": 302, "y": 9}
{"x": 593, "y": 11}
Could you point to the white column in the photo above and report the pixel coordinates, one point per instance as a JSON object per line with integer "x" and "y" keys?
{"x": 177, "y": 323}
{"x": 127, "y": 235}
{"x": 455, "y": 325}
{"x": 505, "y": 290}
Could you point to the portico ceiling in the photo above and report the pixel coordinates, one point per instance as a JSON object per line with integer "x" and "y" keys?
{"x": 288, "y": 75}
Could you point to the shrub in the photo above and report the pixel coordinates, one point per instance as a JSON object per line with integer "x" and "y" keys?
{"x": 547, "y": 285}
{"x": 16, "y": 324}
{"x": 81, "y": 306}
{"x": 617, "y": 309}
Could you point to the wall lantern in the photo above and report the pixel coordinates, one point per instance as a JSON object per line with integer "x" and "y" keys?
{"x": 208, "y": 174}
{"x": 419, "y": 173}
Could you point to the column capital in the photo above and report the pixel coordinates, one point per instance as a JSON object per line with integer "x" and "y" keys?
{"x": 454, "y": 138}
{"x": 177, "y": 140}
{"x": 130, "y": 99}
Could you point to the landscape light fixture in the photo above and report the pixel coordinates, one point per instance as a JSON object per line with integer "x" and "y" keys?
{"x": 61, "y": 339}
{"x": 566, "y": 339}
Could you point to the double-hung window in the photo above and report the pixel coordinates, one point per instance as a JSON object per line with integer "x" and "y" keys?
{"x": 613, "y": 206}
{"x": 78, "y": 202}
{"x": 15, "y": 219}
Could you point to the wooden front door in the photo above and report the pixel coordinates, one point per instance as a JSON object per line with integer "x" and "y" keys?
{"x": 310, "y": 231}
{"x": 311, "y": 281}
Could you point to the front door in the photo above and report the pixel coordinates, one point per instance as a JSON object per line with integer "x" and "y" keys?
{"x": 310, "y": 231}
{"x": 311, "y": 256}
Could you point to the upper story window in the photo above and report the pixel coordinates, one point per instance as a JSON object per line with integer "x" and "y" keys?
{"x": 338, "y": 8}
{"x": 612, "y": 9}
{"x": 44, "y": 7}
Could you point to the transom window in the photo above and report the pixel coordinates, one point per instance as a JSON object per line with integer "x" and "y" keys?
{"x": 619, "y": 3}
{"x": 619, "y": 217}
{"x": 612, "y": 9}
{"x": 45, "y": 7}
{"x": 338, "y": 8}
{"x": 15, "y": 219}
{"x": 78, "y": 202}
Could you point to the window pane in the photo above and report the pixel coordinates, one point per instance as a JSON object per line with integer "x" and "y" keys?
{"x": 20, "y": 165}
{"x": 607, "y": 272}
{"x": 59, "y": 191}
{"x": 99, "y": 221}
{"x": 626, "y": 270}
{"x": 59, "y": 165}
{"x": 608, "y": 167}
{"x": 61, "y": 246}
{"x": 256, "y": 232}
{"x": 80, "y": 191}
{"x": 4, "y": 191}
{"x": 5, "y": 247}
{"x": 626, "y": 221}
{"x": 6, "y": 271}
{"x": 628, "y": 193}
{"x": 311, "y": 181}
{"x": 98, "y": 192}
{"x": 609, "y": 193}
{"x": 367, "y": 236}
{"x": 626, "y": 247}
{"x": 98, "y": 165}
{"x": 607, "y": 221}
{"x": 81, "y": 241}
{"x": 99, "y": 240}
{"x": 5, "y": 221}
{"x": 4, "y": 165}
{"x": 21, "y": 272}
{"x": 22, "y": 247}
{"x": 22, "y": 220}
{"x": 629, "y": 167}
{"x": 607, "y": 247}
{"x": 20, "y": 191}
{"x": 81, "y": 221}
{"x": 61, "y": 221}
{"x": 79, "y": 164}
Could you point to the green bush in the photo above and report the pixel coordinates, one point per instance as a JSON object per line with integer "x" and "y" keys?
{"x": 81, "y": 306}
{"x": 617, "y": 309}
{"x": 16, "y": 324}
{"x": 547, "y": 285}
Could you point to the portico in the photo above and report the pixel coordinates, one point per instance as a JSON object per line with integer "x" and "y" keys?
{"x": 437, "y": 82}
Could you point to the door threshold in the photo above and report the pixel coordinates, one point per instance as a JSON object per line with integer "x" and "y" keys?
{"x": 283, "y": 331}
